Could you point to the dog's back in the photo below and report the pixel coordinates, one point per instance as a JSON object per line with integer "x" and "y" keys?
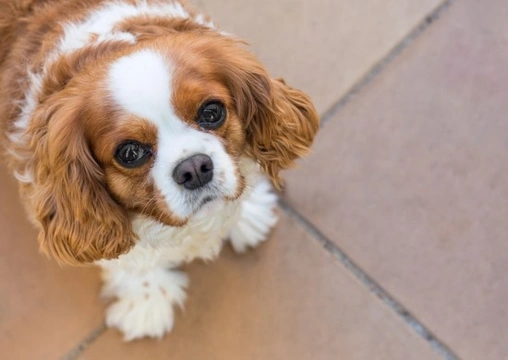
{"x": 25, "y": 26}
{"x": 14, "y": 20}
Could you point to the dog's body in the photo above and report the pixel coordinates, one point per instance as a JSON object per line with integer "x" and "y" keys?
{"x": 141, "y": 137}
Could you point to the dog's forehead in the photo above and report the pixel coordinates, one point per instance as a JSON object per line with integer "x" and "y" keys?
{"x": 141, "y": 83}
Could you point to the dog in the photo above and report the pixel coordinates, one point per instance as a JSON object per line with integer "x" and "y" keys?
{"x": 142, "y": 137}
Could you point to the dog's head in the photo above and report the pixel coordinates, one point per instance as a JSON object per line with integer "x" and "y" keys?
{"x": 159, "y": 129}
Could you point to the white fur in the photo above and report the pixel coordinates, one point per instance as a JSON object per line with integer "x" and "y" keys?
{"x": 141, "y": 84}
{"x": 144, "y": 305}
{"x": 103, "y": 21}
{"x": 141, "y": 310}
{"x": 255, "y": 221}
{"x": 200, "y": 19}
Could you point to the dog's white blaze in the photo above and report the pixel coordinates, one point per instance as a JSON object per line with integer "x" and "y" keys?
{"x": 141, "y": 84}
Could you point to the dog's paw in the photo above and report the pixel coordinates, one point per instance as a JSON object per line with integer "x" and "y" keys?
{"x": 257, "y": 218}
{"x": 144, "y": 305}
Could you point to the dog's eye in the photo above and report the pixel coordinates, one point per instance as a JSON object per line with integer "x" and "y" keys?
{"x": 132, "y": 154}
{"x": 211, "y": 115}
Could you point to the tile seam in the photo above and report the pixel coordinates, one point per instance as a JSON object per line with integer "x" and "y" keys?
{"x": 85, "y": 343}
{"x": 378, "y": 67}
{"x": 374, "y": 287}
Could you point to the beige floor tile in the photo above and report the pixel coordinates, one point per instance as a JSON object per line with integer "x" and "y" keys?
{"x": 411, "y": 179}
{"x": 321, "y": 46}
{"x": 44, "y": 310}
{"x": 286, "y": 300}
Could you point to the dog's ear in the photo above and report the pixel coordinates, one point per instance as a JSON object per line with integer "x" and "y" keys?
{"x": 282, "y": 131}
{"x": 280, "y": 121}
{"x": 80, "y": 221}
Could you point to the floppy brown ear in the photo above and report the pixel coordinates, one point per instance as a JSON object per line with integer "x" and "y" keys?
{"x": 283, "y": 129}
{"x": 80, "y": 221}
{"x": 280, "y": 121}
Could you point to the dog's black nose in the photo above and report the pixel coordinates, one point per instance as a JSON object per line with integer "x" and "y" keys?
{"x": 194, "y": 172}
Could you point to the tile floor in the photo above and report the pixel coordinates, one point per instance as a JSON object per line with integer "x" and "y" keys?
{"x": 391, "y": 239}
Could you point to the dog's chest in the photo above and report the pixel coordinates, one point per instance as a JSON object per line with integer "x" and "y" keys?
{"x": 167, "y": 246}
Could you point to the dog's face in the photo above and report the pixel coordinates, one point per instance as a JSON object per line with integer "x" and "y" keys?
{"x": 176, "y": 139}
{"x": 160, "y": 130}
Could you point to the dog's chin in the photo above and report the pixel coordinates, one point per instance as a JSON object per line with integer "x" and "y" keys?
{"x": 208, "y": 206}
{"x": 213, "y": 199}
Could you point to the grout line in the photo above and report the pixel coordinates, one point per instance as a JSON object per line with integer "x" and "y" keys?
{"x": 89, "y": 339}
{"x": 331, "y": 247}
{"x": 381, "y": 65}
{"x": 371, "y": 284}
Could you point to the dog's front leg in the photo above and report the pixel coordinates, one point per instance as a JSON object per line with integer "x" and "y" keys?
{"x": 257, "y": 217}
{"x": 144, "y": 300}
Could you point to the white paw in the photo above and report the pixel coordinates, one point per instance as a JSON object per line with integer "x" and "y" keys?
{"x": 144, "y": 305}
{"x": 257, "y": 218}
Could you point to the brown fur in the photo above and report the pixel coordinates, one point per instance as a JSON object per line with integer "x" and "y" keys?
{"x": 282, "y": 131}
{"x": 279, "y": 122}
{"x": 29, "y": 29}
{"x": 80, "y": 197}
{"x": 81, "y": 223}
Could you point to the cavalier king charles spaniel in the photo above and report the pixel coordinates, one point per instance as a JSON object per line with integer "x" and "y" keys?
{"x": 142, "y": 137}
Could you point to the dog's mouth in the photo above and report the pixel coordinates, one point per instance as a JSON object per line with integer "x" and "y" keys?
{"x": 208, "y": 205}
{"x": 207, "y": 200}
{"x": 212, "y": 197}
